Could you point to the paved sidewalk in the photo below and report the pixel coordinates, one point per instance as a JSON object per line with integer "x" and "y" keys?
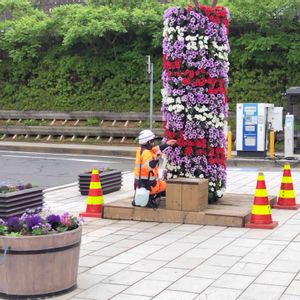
{"x": 129, "y": 260}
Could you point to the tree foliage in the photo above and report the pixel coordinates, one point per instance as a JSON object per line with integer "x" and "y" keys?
{"x": 92, "y": 56}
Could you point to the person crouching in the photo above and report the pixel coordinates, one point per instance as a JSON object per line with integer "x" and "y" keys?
{"x": 146, "y": 174}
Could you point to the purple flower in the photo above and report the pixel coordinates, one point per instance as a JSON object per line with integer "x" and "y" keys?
{"x": 54, "y": 221}
{"x": 195, "y": 97}
{"x": 31, "y": 221}
{"x": 14, "y": 224}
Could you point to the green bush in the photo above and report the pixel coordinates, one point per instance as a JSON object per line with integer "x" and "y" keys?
{"x": 92, "y": 57}
{"x": 92, "y": 122}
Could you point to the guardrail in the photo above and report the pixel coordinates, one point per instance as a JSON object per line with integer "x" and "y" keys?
{"x": 77, "y": 126}
{"x": 77, "y": 115}
{"x": 85, "y": 126}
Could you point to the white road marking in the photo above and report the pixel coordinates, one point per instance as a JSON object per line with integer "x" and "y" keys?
{"x": 66, "y": 154}
{"x": 59, "y": 158}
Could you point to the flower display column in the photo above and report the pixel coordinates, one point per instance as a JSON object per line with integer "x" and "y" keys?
{"x": 194, "y": 105}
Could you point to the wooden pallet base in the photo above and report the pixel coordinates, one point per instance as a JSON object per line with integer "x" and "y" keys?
{"x": 232, "y": 210}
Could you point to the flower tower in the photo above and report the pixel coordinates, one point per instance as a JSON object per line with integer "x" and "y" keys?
{"x": 194, "y": 105}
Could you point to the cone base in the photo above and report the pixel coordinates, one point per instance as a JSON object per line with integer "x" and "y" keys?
{"x": 91, "y": 215}
{"x": 262, "y": 226}
{"x": 291, "y": 207}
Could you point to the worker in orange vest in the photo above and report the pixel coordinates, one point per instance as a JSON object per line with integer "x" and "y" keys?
{"x": 146, "y": 164}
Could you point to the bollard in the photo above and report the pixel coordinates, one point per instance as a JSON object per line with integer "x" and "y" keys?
{"x": 272, "y": 144}
{"x": 229, "y": 143}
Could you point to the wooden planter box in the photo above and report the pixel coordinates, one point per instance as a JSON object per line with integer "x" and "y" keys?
{"x": 16, "y": 203}
{"x": 111, "y": 181}
{"x": 187, "y": 194}
{"x": 39, "y": 265}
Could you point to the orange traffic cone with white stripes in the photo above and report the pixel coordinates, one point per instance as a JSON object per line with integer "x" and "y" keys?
{"x": 261, "y": 217}
{"x": 286, "y": 198}
{"x": 95, "y": 197}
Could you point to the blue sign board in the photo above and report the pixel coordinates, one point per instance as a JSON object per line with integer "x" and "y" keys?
{"x": 250, "y": 120}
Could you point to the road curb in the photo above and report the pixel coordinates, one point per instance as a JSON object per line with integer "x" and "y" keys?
{"x": 68, "y": 149}
{"x": 123, "y": 151}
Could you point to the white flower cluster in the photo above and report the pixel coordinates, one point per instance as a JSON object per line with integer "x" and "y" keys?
{"x": 221, "y": 52}
{"x": 177, "y": 108}
{"x": 220, "y": 192}
{"x": 203, "y": 42}
{"x": 202, "y": 115}
{"x": 171, "y": 168}
{"x": 170, "y": 32}
{"x": 192, "y": 42}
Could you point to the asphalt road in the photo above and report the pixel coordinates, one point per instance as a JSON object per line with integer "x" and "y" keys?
{"x": 49, "y": 170}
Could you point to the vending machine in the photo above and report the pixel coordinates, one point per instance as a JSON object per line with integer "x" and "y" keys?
{"x": 252, "y": 123}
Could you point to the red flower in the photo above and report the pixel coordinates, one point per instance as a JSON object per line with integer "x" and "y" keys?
{"x": 186, "y": 81}
{"x": 169, "y": 134}
{"x": 201, "y": 143}
{"x": 190, "y": 143}
{"x": 192, "y": 74}
{"x": 211, "y": 152}
{"x": 181, "y": 142}
{"x": 177, "y": 63}
{"x": 201, "y": 81}
{"x": 188, "y": 150}
{"x": 186, "y": 73}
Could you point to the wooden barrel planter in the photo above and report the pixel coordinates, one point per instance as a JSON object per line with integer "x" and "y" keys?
{"x": 16, "y": 203}
{"x": 39, "y": 266}
{"x": 111, "y": 181}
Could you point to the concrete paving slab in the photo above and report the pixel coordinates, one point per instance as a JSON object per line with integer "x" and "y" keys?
{"x": 204, "y": 262}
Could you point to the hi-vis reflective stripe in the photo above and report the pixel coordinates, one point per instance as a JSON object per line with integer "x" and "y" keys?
{"x": 146, "y": 177}
{"x": 287, "y": 167}
{"x": 286, "y": 194}
{"x": 287, "y": 179}
{"x": 95, "y": 185}
{"x": 139, "y": 166}
{"x": 261, "y": 193}
{"x": 95, "y": 200}
{"x": 261, "y": 210}
{"x": 260, "y": 177}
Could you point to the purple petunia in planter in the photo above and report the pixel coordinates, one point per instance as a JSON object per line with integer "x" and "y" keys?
{"x": 9, "y": 188}
{"x": 16, "y": 198}
{"x": 33, "y": 248}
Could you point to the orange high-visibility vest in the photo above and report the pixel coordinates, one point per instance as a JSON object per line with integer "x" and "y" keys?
{"x": 143, "y": 163}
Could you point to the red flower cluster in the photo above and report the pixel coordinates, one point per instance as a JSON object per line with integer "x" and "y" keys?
{"x": 216, "y": 156}
{"x": 217, "y": 14}
{"x": 182, "y": 142}
{"x": 171, "y": 65}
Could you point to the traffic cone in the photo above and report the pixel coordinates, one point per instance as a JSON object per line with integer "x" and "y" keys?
{"x": 261, "y": 212}
{"x": 286, "y": 198}
{"x": 95, "y": 198}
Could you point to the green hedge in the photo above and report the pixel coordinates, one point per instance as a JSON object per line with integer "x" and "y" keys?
{"x": 92, "y": 57}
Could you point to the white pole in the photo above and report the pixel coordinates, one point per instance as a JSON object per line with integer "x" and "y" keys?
{"x": 151, "y": 97}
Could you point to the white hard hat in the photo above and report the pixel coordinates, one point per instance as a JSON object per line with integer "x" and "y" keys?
{"x": 146, "y": 136}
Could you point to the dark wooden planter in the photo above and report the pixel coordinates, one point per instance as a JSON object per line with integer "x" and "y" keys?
{"x": 111, "y": 181}
{"x": 16, "y": 203}
{"x": 36, "y": 266}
